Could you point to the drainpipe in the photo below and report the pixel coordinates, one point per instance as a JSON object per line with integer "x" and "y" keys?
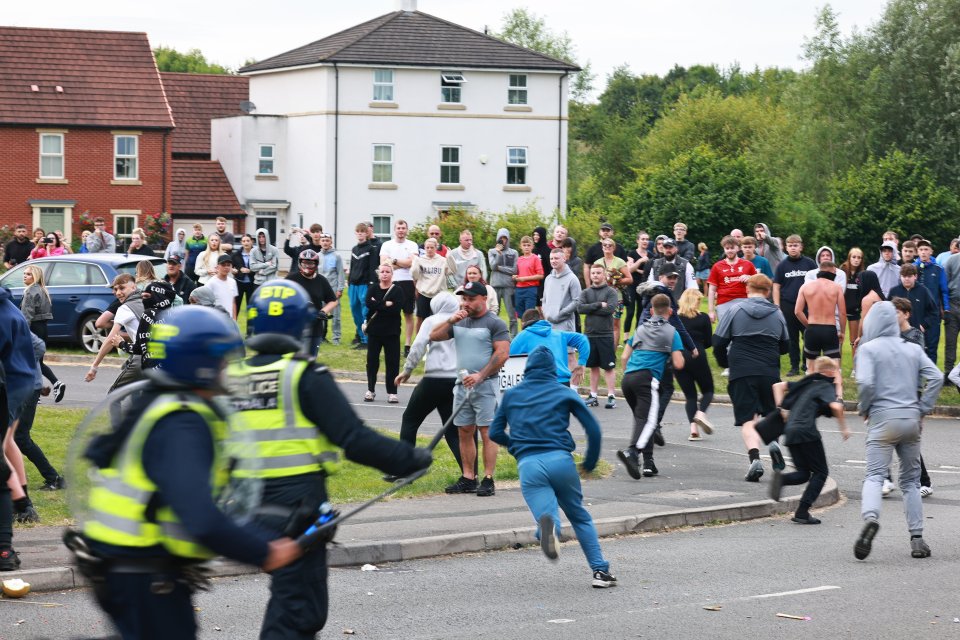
{"x": 559, "y": 141}
{"x": 336, "y": 151}
{"x": 163, "y": 171}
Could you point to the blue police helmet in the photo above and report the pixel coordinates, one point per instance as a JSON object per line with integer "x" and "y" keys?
{"x": 279, "y": 306}
{"x": 190, "y": 344}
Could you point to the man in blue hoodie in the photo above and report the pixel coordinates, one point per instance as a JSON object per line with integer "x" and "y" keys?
{"x": 533, "y": 423}
{"x": 538, "y": 332}
{"x": 16, "y": 384}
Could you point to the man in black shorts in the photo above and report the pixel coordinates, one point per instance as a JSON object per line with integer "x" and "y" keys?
{"x": 821, "y": 309}
{"x": 598, "y": 303}
{"x": 749, "y": 340}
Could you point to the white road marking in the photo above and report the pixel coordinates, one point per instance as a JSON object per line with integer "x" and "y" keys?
{"x": 794, "y": 593}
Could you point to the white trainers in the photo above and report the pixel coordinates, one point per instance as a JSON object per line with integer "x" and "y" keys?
{"x": 725, "y": 373}
{"x": 700, "y": 418}
{"x": 888, "y": 486}
{"x": 926, "y": 492}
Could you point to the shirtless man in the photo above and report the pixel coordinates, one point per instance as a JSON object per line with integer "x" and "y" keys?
{"x": 823, "y": 301}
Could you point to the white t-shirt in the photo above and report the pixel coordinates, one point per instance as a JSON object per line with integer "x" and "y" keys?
{"x": 126, "y": 318}
{"x": 225, "y": 292}
{"x": 400, "y": 251}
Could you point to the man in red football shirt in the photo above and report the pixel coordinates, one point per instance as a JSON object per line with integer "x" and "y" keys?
{"x": 727, "y": 279}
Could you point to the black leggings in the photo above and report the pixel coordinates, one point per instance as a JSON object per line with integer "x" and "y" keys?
{"x": 631, "y": 304}
{"x": 244, "y": 289}
{"x": 391, "y": 356}
{"x": 696, "y": 373}
{"x": 811, "y": 463}
{"x": 6, "y": 502}
{"x": 25, "y": 443}
{"x": 39, "y": 329}
{"x": 431, "y": 394}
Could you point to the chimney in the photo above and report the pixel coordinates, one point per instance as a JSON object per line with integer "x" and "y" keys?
{"x": 406, "y": 5}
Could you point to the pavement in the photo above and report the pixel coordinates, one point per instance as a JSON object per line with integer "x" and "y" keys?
{"x": 699, "y": 483}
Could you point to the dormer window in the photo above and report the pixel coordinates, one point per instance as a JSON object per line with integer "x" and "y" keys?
{"x": 450, "y": 86}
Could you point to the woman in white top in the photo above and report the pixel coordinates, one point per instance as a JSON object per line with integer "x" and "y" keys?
{"x": 206, "y": 266}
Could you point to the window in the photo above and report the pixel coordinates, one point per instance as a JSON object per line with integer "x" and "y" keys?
{"x": 449, "y": 165}
{"x": 51, "y": 155}
{"x": 383, "y": 163}
{"x": 125, "y": 158}
{"x": 450, "y": 82}
{"x": 517, "y": 93}
{"x": 68, "y": 274}
{"x": 266, "y": 160}
{"x": 382, "y": 226}
{"x": 516, "y": 165}
{"x": 123, "y": 226}
{"x": 383, "y": 85}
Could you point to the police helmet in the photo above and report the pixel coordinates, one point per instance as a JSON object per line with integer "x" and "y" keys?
{"x": 190, "y": 344}
{"x": 308, "y": 261}
{"x": 280, "y": 306}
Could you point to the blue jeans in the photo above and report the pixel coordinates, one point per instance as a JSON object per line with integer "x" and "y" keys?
{"x": 549, "y": 480}
{"x": 358, "y": 307}
{"x": 524, "y": 298}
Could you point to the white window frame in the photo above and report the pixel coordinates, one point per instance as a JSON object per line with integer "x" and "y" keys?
{"x": 61, "y": 156}
{"x": 389, "y": 227}
{"x": 135, "y": 156}
{"x": 272, "y": 159}
{"x": 67, "y": 217}
{"x": 518, "y": 91}
{"x": 511, "y": 164}
{"x": 123, "y": 239}
{"x": 451, "y": 87}
{"x": 450, "y": 164}
{"x": 387, "y": 87}
{"x": 382, "y": 163}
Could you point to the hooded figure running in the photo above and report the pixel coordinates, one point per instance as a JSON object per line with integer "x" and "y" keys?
{"x": 541, "y": 442}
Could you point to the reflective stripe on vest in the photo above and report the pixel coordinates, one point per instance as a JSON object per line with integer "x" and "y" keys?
{"x": 269, "y": 435}
{"x": 120, "y": 494}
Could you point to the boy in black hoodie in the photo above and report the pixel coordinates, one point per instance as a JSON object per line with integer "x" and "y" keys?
{"x": 800, "y": 403}
{"x": 364, "y": 260}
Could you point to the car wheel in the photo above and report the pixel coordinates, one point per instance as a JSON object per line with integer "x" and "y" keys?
{"x": 90, "y": 337}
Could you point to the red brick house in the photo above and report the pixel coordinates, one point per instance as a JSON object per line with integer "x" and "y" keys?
{"x": 85, "y": 126}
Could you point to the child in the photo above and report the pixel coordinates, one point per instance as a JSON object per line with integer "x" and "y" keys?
{"x": 644, "y": 358}
{"x": 598, "y": 303}
{"x": 528, "y": 277}
{"x": 811, "y": 396}
{"x": 537, "y": 414}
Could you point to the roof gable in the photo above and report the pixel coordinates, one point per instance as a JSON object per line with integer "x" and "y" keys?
{"x": 413, "y": 38}
{"x": 108, "y": 78}
{"x": 195, "y": 99}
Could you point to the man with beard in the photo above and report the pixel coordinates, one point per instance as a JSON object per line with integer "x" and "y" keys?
{"x": 686, "y": 279}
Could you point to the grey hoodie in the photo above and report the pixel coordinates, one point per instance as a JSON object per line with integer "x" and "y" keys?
{"x": 888, "y": 273}
{"x": 264, "y": 262}
{"x": 441, "y": 356}
{"x": 750, "y": 338}
{"x": 771, "y": 248}
{"x": 177, "y": 247}
{"x": 840, "y": 279}
{"x": 890, "y": 370}
{"x": 331, "y": 268}
{"x": 503, "y": 264}
{"x": 598, "y": 319}
{"x": 561, "y": 294}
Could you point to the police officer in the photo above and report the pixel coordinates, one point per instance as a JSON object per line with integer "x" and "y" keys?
{"x": 298, "y": 417}
{"x": 151, "y": 511}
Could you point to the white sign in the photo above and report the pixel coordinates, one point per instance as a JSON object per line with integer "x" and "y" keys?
{"x": 512, "y": 372}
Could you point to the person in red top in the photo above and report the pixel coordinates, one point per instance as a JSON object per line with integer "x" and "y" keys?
{"x": 728, "y": 278}
{"x": 528, "y": 277}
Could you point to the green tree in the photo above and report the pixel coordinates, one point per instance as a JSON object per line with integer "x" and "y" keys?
{"x": 193, "y": 61}
{"x": 528, "y": 30}
{"x": 897, "y": 191}
{"x": 710, "y": 192}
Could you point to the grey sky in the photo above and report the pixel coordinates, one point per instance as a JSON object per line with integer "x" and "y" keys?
{"x": 650, "y": 36}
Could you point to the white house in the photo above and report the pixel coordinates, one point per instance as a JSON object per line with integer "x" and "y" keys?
{"x": 400, "y": 117}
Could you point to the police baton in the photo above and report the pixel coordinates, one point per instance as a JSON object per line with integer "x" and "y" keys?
{"x": 321, "y": 528}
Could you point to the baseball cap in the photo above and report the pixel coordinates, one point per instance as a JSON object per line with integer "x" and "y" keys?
{"x": 473, "y": 289}
{"x": 889, "y": 244}
{"x": 606, "y": 226}
{"x": 174, "y": 259}
{"x": 224, "y": 259}
{"x": 669, "y": 242}
{"x": 668, "y": 269}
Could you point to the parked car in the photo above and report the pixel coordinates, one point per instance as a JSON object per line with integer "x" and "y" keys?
{"x": 79, "y": 286}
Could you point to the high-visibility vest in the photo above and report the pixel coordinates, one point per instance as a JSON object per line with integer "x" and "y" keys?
{"x": 121, "y": 494}
{"x": 269, "y": 435}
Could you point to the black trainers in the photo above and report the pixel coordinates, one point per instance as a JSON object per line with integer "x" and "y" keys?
{"x": 807, "y": 519}
{"x": 406, "y": 351}
{"x": 776, "y": 485}
{"x": 658, "y": 437}
{"x": 58, "y": 390}
{"x": 611, "y": 403}
{"x": 754, "y": 472}
{"x": 360, "y": 346}
{"x": 486, "y": 487}
{"x": 54, "y": 485}
{"x": 649, "y": 469}
{"x": 631, "y": 461}
{"x": 793, "y": 372}
{"x": 591, "y": 401}
{"x": 603, "y": 580}
{"x": 392, "y": 478}
{"x": 463, "y": 485}
{"x": 28, "y": 515}
{"x": 865, "y": 542}
{"x": 9, "y": 560}
{"x": 356, "y": 340}
{"x": 548, "y": 537}
{"x": 776, "y": 457}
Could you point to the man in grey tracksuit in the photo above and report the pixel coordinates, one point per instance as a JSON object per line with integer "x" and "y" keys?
{"x": 331, "y": 268}
{"x": 893, "y": 409}
{"x": 561, "y": 294}
{"x": 503, "y": 266}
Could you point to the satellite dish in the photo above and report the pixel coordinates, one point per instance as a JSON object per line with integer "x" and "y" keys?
{"x": 247, "y": 107}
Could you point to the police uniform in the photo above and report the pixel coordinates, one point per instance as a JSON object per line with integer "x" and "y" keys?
{"x": 295, "y": 420}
